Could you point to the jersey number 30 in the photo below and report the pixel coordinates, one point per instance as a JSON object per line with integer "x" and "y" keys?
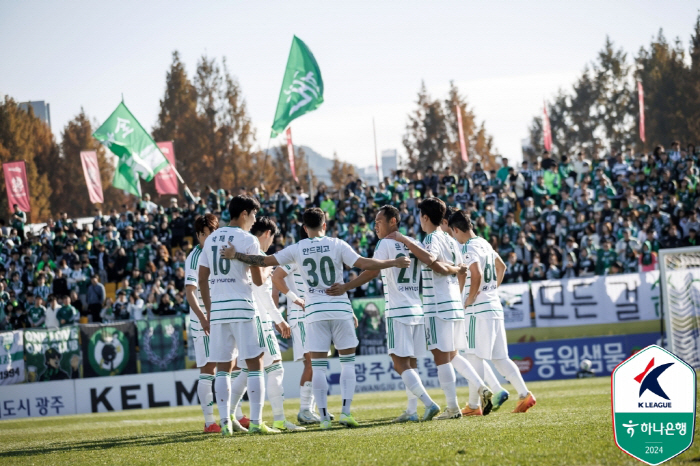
{"x": 327, "y": 271}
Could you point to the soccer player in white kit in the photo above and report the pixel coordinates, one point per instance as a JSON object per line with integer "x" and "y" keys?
{"x": 403, "y": 311}
{"x": 442, "y": 304}
{"x": 328, "y": 319}
{"x": 204, "y": 225}
{"x": 231, "y": 312}
{"x": 265, "y": 230}
{"x": 486, "y": 332}
{"x": 288, "y": 281}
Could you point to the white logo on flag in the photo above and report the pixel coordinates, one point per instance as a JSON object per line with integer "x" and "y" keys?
{"x": 18, "y": 186}
{"x": 306, "y": 87}
{"x": 14, "y": 169}
{"x": 123, "y": 125}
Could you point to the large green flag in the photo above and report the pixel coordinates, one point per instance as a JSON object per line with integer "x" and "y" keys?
{"x": 302, "y": 88}
{"x": 137, "y": 152}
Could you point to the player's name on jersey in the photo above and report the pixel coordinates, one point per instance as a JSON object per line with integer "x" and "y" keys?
{"x": 315, "y": 250}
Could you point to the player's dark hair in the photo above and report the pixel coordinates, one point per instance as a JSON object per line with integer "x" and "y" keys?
{"x": 449, "y": 210}
{"x": 461, "y": 221}
{"x": 313, "y": 218}
{"x": 210, "y": 221}
{"x": 262, "y": 225}
{"x": 434, "y": 208}
{"x": 389, "y": 212}
{"x": 242, "y": 203}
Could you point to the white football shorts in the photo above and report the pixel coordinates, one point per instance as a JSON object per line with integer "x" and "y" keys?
{"x": 320, "y": 335}
{"x": 445, "y": 335}
{"x": 405, "y": 340}
{"x": 299, "y": 341}
{"x": 486, "y": 337}
{"x": 245, "y": 336}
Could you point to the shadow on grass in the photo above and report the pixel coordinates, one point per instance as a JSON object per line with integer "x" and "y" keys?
{"x": 107, "y": 443}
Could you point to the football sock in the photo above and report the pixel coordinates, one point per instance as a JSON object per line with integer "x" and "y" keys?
{"x": 478, "y": 365}
{"x": 256, "y": 395}
{"x": 275, "y": 391}
{"x": 239, "y": 384}
{"x": 320, "y": 386}
{"x": 510, "y": 371}
{"x": 347, "y": 380}
{"x": 448, "y": 383}
{"x": 491, "y": 379}
{"x": 305, "y": 396}
{"x": 412, "y": 406}
{"x": 222, "y": 385}
{"x": 206, "y": 398}
{"x": 414, "y": 385}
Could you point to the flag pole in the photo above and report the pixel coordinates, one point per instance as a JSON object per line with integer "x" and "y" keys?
{"x": 376, "y": 160}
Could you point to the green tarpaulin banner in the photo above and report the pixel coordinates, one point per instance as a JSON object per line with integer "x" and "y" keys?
{"x": 108, "y": 349}
{"x": 371, "y": 330}
{"x": 11, "y": 358}
{"x": 52, "y": 354}
{"x": 161, "y": 345}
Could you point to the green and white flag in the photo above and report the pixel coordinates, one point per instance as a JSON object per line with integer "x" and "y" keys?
{"x": 11, "y": 357}
{"x": 302, "y": 88}
{"x": 138, "y": 154}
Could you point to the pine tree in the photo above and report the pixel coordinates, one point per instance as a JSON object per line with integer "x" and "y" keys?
{"x": 426, "y": 139}
{"x": 281, "y": 173}
{"x": 25, "y": 137}
{"x": 692, "y": 88}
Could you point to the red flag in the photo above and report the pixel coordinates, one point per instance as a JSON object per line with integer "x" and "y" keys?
{"x": 166, "y": 180}
{"x": 640, "y": 91}
{"x": 462, "y": 144}
{"x": 91, "y": 170}
{"x": 290, "y": 153}
{"x": 16, "y": 185}
{"x": 547, "y": 131}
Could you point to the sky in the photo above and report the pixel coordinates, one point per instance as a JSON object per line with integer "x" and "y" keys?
{"x": 505, "y": 57}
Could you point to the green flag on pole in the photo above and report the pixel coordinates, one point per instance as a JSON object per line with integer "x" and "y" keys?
{"x": 302, "y": 88}
{"x": 138, "y": 154}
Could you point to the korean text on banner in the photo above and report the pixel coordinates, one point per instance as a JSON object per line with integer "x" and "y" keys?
{"x": 11, "y": 358}
{"x": 91, "y": 170}
{"x": 166, "y": 179}
{"x": 16, "y": 185}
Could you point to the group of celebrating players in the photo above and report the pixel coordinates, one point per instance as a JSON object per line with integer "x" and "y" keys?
{"x": 229, "y": 285}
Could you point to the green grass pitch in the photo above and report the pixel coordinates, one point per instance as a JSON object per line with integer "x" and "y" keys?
{"x": 571, "y": 425}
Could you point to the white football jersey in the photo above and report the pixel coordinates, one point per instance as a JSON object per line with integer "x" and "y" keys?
{"x": 295, "y": 313}
{"x": 320, "y": 261}
{"x": 269, "y": 314}
{"x": 230, "y": 284}
{"x": 442, "y": 296}
{"x": 487, "y": 301}
{"x": 192, "y": 278}
{"x": 401, "y": 286}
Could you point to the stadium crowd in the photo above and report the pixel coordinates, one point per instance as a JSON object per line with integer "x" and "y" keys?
{"x": 549, "y": 219}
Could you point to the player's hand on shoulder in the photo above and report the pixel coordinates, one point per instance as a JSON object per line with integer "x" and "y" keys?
{"x": 228, "y": 252}
{"x": 336, "y": 289}
{"x": 284, "y": 329}
{"x": 402, "y": 262}
{"x": 396, "y": 236}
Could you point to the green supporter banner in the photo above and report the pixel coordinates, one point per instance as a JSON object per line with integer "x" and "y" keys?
{"x": 108, "y": 349}
{"x": 161, "y": 346}
{"x": 11, "y": 358}
{"x": 52, "y": 354}
{"x": 371, "y": 329}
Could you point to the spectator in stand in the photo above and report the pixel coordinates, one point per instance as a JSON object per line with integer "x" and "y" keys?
{"x": 95, "y": 298}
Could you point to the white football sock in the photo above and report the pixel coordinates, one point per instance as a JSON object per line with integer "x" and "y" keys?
{"x": 491, "y": 380}
{"x": 347, "y": 380}
{"x": 256, "y": 395}
{"x": 222, "y": 385}
{"x": 239, "y": 384}
{"x": 320, "y": 386}
{"x": 478, "y": 365}
{"x": 275, "y": 391}
{"x": 206, "y": 398}
{"x": 414, "y": 385}
{"x": 448, "y": 383}
{"x": 510, "y": 371}
{"x": 412, "y": 405}
{"x": 306, "y": 395}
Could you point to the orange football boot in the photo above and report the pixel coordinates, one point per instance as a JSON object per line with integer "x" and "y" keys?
{"x": 212, "y": 429}
{"x": 525, "y": 403}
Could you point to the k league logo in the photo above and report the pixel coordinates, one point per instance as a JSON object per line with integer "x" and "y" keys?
{"x": 653, "y": 404}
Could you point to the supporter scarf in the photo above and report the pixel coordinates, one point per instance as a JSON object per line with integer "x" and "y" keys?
{"x": 646, "y": 256}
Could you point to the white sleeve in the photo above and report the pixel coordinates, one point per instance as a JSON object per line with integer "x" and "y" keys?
{"x": 381, "y": 252}
{"x": 287, "y": 255}
{"x": 347, "y": 254}
{"x": 253, "y": 246}
{"x": 203, "y": 259}
{"x": 289, "y": 269}
{"x": 470, "y": 256}
{"x": 459, "y": 258}
{"x": 275, "y": 314}
{"x": 192, "y": 274}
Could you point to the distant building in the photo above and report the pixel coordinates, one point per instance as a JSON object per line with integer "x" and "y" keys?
{"x": 42, "y": 110}
{"x": 390, "y": 160}
{"x": 369, "y": 175}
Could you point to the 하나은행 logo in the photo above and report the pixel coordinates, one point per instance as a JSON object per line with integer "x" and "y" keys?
{"x": 653, "y": 404}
